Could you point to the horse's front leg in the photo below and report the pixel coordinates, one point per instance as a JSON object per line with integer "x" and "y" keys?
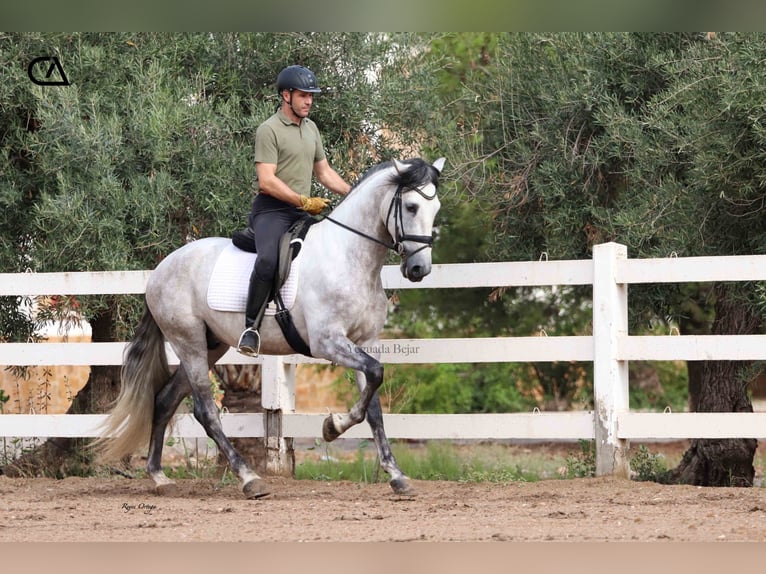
{"x": 400, "y": 483}
{"x": 347, "y": 354}
{"x": 369, "y": 376}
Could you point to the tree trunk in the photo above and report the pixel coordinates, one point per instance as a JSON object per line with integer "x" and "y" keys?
{"x": 60, "y": 457}
{"x": 723, "y": 388}
{"x": 241, "y": 385}
{"x": 697, "y": 314}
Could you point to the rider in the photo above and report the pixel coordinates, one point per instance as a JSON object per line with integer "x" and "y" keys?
{"x": 288, "y": 149}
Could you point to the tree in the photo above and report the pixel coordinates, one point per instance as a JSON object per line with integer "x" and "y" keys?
{"x": 151, "y": 147}
{"x": 119, "y": 167}
{"x": 447, "y": 63}
{"x": 652, "y": 140}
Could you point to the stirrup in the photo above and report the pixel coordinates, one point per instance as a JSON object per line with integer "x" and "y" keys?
{"x": 249, "y": 350}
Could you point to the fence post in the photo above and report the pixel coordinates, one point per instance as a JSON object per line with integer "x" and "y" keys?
{"x": 277, "y": 397}
{"x": 610, "y": 375}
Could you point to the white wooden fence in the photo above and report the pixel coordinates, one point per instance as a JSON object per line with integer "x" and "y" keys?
{"x": 611, "y": 423}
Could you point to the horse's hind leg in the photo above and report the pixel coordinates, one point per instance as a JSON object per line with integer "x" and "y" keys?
{"x": 165, "y": 404}
{"x": 399, "y": 482}
{"x": 206, "y": 412}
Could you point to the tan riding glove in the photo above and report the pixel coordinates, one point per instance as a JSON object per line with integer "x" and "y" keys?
{"x": 313, "y": 205}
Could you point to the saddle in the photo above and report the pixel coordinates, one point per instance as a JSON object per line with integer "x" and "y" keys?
{"x": 290, "y": 245}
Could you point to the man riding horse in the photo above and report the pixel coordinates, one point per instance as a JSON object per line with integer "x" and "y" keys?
{"x": 288, "y": 149}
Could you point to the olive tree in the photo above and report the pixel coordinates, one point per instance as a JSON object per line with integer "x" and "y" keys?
{"x": 651, "y": 140}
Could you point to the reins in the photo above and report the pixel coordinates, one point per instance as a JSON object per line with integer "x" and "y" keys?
{"x": 391, "y": 246}
{"x": 400, "y": 236}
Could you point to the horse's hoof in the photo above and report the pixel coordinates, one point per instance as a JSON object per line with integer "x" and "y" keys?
{"x": 168, "y": 489}
{"x": 329, "y": 432}
{"x": 402, "y": 486}
{"x": 256, "y": 488}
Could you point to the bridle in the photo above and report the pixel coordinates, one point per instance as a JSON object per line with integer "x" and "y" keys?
{"x": 395, "y": 209}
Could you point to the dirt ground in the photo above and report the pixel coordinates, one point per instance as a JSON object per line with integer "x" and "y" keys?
{"x": 597, "y": 509}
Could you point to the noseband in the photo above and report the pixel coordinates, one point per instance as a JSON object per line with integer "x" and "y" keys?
{"x": 395, "y": 209}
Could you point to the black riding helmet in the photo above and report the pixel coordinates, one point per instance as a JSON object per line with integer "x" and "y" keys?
{"x": 297, "y": 78}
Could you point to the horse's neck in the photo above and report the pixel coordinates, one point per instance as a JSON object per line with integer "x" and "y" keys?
{"x": 360, "y": 211}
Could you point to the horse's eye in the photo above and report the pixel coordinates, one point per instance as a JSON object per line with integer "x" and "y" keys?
{"x": 412, "y": 208}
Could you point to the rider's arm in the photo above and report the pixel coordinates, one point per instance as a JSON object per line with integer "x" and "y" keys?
{"x": 270, "y": 184}
{"x": 329, "y": 178}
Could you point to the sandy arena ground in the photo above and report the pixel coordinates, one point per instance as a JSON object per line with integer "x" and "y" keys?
{"x": 597, "y": 509}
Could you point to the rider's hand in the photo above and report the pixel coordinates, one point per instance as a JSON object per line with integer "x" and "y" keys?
{"x": 313, "y": 205}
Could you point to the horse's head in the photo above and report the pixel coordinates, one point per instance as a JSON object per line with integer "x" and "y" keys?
{"x": 409, "y": 216}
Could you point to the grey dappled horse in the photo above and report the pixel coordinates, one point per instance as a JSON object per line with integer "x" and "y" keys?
{"x": 339, "y": 311}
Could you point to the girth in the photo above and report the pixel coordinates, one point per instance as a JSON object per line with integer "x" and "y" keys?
{"x": 288, "y": 250}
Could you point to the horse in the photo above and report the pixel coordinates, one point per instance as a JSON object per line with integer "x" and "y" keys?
{"x": 339, "y": 311}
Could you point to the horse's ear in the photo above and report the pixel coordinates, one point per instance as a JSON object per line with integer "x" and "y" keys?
{"x": 399, "y": 166}
{"x": 439, "y": 164}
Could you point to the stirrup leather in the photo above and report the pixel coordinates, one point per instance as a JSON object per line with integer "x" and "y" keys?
{"x": 247, "y": 349}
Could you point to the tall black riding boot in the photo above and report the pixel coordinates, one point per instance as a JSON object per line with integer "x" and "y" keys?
{"x": 257, "y": 298}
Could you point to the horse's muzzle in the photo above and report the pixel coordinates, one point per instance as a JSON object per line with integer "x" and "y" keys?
{"x": 415, "y": 270}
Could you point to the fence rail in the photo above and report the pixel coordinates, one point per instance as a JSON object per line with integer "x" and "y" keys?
{"x": 610, "y": 348}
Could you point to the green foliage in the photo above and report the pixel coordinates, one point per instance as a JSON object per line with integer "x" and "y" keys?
{"x": 582, "y": 464}
{"x": 462, "y": 54}
{"x": 464, "y": 236}
{"x": 644, "y": 465}
{"x": 197, "y": 462}
{"x": 647, "y": 466}
{"x": 151, "y": 144}
{"x": 502, "y": 387}
{"x": 457, "y": 388}
{"x": 658, "y": 385}
{"x": 436, "y": 389}
{"x": 651, "y": 140}
{"x": 15, "y": 323}
{"x": 360, "y": 468}
{"x": 435, "y": 461}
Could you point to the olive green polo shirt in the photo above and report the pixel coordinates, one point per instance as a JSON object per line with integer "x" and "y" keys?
{"x": 293, "y": 148}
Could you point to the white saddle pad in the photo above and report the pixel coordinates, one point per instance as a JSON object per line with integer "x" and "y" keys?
{"x": 228, "y": 286}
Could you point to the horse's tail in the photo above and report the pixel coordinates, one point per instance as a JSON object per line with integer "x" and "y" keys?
{"x": 144, "y": 372}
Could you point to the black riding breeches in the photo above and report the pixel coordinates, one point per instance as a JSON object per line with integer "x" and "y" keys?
{"x": 268, "y": 227}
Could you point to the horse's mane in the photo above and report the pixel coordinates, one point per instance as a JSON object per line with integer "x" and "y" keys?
{"x": 420, "y": 172}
